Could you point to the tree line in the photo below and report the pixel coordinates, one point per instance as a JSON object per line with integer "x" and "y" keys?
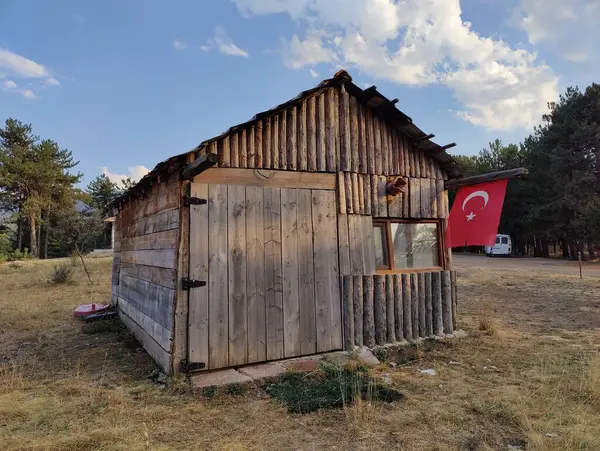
{"x": 44, "y": 212}
{"x": 557, "y": 207}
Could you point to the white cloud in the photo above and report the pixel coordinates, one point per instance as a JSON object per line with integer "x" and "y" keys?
{"x": 28, "y": 94}
{"x": 135, "y": 173}
{"x": 52, "y": 82}
{"x": 178, "y": 44}
{"x": 420, "y": 42}
{"x": 568, "y": 28}
{"x": 9, "y": 84}
{"x": 313, "y": 73}
{"x": 21, "y": 66}
{"x": 224, "y": 44}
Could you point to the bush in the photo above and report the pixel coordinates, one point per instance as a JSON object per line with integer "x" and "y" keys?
{"x": 18, "y": 255}
{"x": 62, "y": 274}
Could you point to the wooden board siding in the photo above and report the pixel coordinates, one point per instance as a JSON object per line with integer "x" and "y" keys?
{"x": 356, "y": 245}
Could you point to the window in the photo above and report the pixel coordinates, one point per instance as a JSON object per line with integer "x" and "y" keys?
{"x": 407, "y": 245}
{"x": 504, "y": 240}
{"x": 497, "y": 240}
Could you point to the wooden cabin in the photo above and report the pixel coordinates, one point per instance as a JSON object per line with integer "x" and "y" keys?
{"x": 316, "y": 226}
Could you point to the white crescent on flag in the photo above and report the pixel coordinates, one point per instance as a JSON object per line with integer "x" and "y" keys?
{"x": 473, "y": 195}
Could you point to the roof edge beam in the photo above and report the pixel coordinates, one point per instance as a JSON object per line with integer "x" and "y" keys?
{"x": 199, "y": 165}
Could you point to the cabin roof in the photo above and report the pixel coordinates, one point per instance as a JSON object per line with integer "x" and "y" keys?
{"x": 371, "y": 97}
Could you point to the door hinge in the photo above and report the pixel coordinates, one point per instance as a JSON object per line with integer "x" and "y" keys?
{"x": 186, "y": 366}
{"x": 186, "y": 284}
{"x": 191, "y": 200}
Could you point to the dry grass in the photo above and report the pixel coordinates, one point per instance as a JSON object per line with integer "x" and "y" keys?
{"x": 64, "y": 386}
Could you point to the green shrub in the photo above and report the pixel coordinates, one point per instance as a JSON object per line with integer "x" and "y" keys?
{"x": 17, "y": 255}
{"x": 62, "y": 274}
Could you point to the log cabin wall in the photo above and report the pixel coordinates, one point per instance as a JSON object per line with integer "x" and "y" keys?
{"x": 144, "y": 280}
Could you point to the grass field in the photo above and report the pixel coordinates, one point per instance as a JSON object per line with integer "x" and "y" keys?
{"x": 529, "y": 377}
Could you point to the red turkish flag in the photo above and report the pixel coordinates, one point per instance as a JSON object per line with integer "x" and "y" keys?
{"x": 475, "y": 215}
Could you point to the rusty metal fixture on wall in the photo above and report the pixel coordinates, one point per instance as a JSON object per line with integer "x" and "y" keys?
{"x": 397, "y": 186}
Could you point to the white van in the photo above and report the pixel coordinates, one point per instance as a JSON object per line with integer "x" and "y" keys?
{"x": 502, "y": 247}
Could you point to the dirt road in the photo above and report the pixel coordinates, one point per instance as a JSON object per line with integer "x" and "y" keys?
{"x": 464, "y": 261}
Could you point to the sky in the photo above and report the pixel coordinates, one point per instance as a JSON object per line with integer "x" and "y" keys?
{"x": 126, "y": 84}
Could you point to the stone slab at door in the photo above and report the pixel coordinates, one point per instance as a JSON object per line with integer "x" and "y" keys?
{"x": 269, "y": 257}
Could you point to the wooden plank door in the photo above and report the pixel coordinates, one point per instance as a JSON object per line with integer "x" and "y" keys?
{"x": 270, "y": 259}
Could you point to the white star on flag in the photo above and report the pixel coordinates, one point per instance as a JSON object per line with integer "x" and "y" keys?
{"x": 471, "y": 216}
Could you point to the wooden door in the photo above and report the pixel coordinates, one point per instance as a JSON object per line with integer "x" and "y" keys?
{"x": 270, "y": 259}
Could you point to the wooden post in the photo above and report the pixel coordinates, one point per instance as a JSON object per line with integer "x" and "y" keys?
{"x": 390, "y": 309}
{"x": 321, "y": 133}
{"x": 266, "y": 141}
{"x": 580, "y": 268}
{"x": 361, "y": 194}
{"x": 243, "y": 149}
{"x": 422, "y": 319}
{"x": 357, "y": 285}
{"x": 311, "y": 134}
{"x": 398, "y": 308}
{"x": 355, "y": 194}
{"x": 369, "y": 320}
{"x": 362, "y": 140}
{"x": 367, "y": 197}
{"x": 374, "y": 196}
{"x": 414, "y": 307}
{"x": 428, "y": 306}
{"x": 406, "y": 306}
{"x": 454, "y": 300}
{"x": 348, "y": 309}
{"x": 341, "y": 190}
{"x": 349, "y": 194}
{"x": 302, "y": 138}
{"x": 447, "y": 302}
{"x": 330, "y": 134}
{"x": 380, "y": 310}
{"x": 345, "y": 144}
{"x": 436, "y": 288}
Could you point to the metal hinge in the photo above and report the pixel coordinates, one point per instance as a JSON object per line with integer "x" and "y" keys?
{"x": 191, "y": 367}
{"x": 191, "y": 200}
{"x": 186, "y": 284}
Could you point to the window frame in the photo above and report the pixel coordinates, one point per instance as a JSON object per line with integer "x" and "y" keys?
{"x": 391, "y": 269}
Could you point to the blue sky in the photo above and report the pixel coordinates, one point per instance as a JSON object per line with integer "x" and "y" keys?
{"x": 125, "y": 84}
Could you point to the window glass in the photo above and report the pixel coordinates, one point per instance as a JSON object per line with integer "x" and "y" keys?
{"x": 504, "y": 240}
{"x": 415, "y": 245}
{"x": 497, "y": 240}
{"x": 381, "y": 257}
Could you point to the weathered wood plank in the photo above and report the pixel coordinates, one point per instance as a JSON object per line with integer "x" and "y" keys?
{"x": 385, "y": 169}
{"x": 422, "y": 319}
{"x": 436, "y": 288}
{"x": 428, "y": 305}
{"x": 161, "y": 276}
{"x": 218, "y": 286}
{"x": 382, "y": 204}
{"x": 311, "y": 134}
{"x": 368, "y": 312}
{"x": 235, "y": 154}
{"x": 370, "y": 141}
{"x": 243, "y": 149}
{"x": 266, "y": 141}
{"x": 255, "y": 275}
{"x": 355, "y": 238}
{"x": 289, "y": 258}
{"x": 362, "y": 140}
{"x": 434, "y": 198}
{"x": 361, "y": 194}
{"x": 198, "y": 320}
{"x": 354, "y": 136}
{"x": 278, "y": 141}
{"x": 414, "y": 307}
{"x": 394, "y": 203}
{"x": 426, "y": 198}
{"x": 447, "y": 302}
{"x": 348, "y": 311}
{"x": 330, "y": 133}
{"x": 349, "y": 195}
{"x": 367, "y": 194}
{"x": 454, "y": 300}
{"x": 355, "y": 193}
{"x": 380, "y": 305}
{"x": 344, "y": 245}
{"x": 321, "y": 134}
{"x": 368, "y": 246}
{"x": 273, "y": 284}
{"x": 378, "y": 145}
{"x": 414, "y": 187}
{"x": 158, "y": 333}
{"x": 374, "y": 195}
{"x": 251, "y": 141}
{"x": 153, "y": 241}
{"x": 390, "y": 309}
{"x": 398, "y": 308}
{"x": 273, "y": 178}
{"x": 154, "y": 300}
{"x": 334, "y": 274}
{"x": 224, "y": 152}
{"x": 292, "y": 139}
{"x": 302, "y": 137}
{"x": 306, "y": 275}
{"x": 357, "y": 301}
{"x": 407, "y": 307}
{"x": 341, "y": 190}
{"x": 162, "y": 258}
{"x": 345, "y": 133}
{"x": 258, "y": 144}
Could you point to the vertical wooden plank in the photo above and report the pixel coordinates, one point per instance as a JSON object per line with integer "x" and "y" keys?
{"x": 425, "y": 198}
{"x": 368, "y": 245}
{"x": 382, "y": 196}
{"x": 341, "y": 191}
{"x": 235, "y": 154}
{"x": 236, "y": 243}
{"x": 321, "y": 134}
{"x": 355, "y": 238}
{"x": 428, "y": 305}
{"x": 394, "y": 203}
{"x": 344, "y": 245}
{"x": 422, "y": 164}
{"x": 255, "y": 274}
{"x": 302, "y": 149}
{"x": 280, "y": 142}
{"x": 422, "y": 320}
{"x": 333, "y": 268}
{"x": 354, "y": 135}
{"x": 406, "y": 200}
{"x": 243, "y": 148}
{"x": 311, "y": 134}
{"x": 370, "y": 140}
{"x": 273, "y": 290}
{"x": 367, "y": 193}
{"x": 374, "y": 195}
{"x": 368, "y": 312}
{"x": 345, "y": 140}
{"x": 348, "y": 311}
{"x": 251, "y": 148}
{"x": 415, "y": 197}
{"x": 266, "y": 141}
{"x": 378, "y": 146}
{"x": 395, "y": 152}
{"x": 336, "y": 127}
{"x": 258, "y": 144}
{"x": 407, "y": 159}
{"x": 454, "y": 300}
{"x": 348, "y": 195}
{"x": 361, "y": 193}
{"x": 442, "y": 200}
{"x": 355, "y": 193}
{"x": 224, "y": 153}
{"x": 218, "y": 286}
{"x": 436, "y": 288}
{"x": 434, "y": 198}
{"x": 198, "y": 270}
{"x": 289, "y": 259}
{"x": 414, "y": 307}
{"x": 380, "y": 305}
{"x": 400, "y": 151}
{"x": 357, "y": 301}
{"x": 398, "y": 308}
{"x": 385, "y": 149}
{"x": 447, "y": 303}
{"x": 276, "y": 141}
{"x": 306, "y": 275}
{"x": 407, "y": 307}
{"x": 330, "y": 131}
{"x": 362, "y": 140}
{"x": 390, "y": 309}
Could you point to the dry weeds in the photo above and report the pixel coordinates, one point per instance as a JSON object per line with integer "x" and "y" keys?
{"x": 534, "y": 384}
